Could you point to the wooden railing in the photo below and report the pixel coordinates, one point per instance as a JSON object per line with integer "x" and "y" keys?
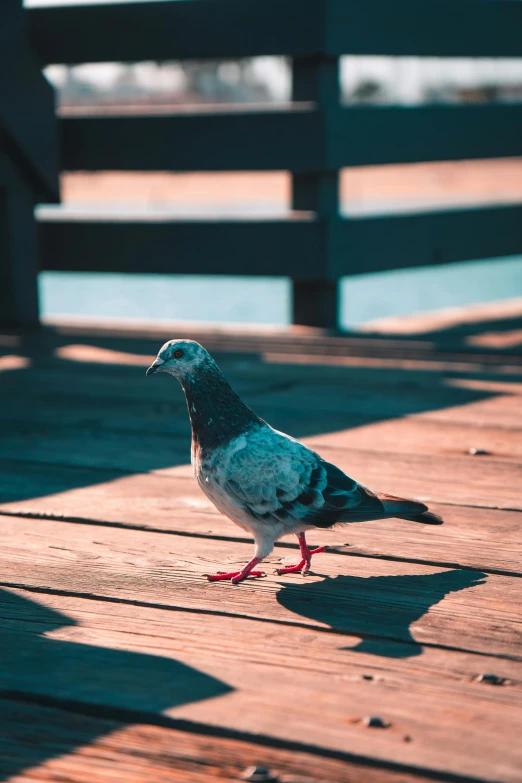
{"x": 312, "y": 139}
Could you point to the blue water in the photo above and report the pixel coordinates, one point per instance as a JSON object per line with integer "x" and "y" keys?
{"x": 267, "y": 300}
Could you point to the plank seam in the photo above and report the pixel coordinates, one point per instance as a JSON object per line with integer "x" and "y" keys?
{"x": 240, "y": 540}
{"x": 130, "y": 716}
{"x": 222, "y": 613}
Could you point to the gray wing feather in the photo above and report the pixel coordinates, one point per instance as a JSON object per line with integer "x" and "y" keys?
{"x": 276, "y": 478}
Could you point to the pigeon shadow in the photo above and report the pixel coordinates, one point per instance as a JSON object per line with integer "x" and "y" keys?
{"x": 380, "y": 609}
{"x": 33, "y": 666}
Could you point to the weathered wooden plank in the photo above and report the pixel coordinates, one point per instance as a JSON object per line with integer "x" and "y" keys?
{"x": 63, "y": 387}
{"x": 120, "y": 451}
{"x": 179, "y": 30}
{"x": 419, "y": 433}
{"x": 355, "y": 388}
{"x": 79, "y": 747}
{"x": 484, "y": 539}
{"x": 80, "y": 643}
{"x": 500, "y": 411}
{"x": 466, "y": 480}
{"x": 481, "y": 402}
{"x": 113, "y": 626}
{"x": 378, "y": 599}
{"x": 66, "y": 377}
{"x": 433, "y": 432}
{"x": 273, "y": 247}
{"x": 344, "y": 378}
{"x": 403, "y": 411}
{"x": 58, "y": 376}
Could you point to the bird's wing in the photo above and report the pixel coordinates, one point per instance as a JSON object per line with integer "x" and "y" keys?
{"x": 276, "y": 478}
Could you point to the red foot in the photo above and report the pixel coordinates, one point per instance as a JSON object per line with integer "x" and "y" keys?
{"x": 304, "y": 565}
{"x": 237, "y": 576}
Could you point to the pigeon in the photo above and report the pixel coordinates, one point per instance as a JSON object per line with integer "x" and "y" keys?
{"x": 268, "y": 483}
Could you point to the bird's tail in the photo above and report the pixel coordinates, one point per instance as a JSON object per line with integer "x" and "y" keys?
{"x": 408, "y": 509}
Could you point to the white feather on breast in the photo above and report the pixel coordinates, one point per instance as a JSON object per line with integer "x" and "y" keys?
{"x": 251, "y": 475}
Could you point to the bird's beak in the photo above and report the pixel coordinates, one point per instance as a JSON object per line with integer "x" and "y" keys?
{"x": 154, "y": 367}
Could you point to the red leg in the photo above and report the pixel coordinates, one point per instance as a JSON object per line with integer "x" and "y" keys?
{"x": 237, "y": 576}
{"x": 306, "y": 554}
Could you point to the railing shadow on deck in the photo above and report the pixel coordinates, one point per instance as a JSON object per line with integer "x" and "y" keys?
{"x": 67, "y": 387}
{"x": 87, "y": 422}
{"x": 66, "y": 674}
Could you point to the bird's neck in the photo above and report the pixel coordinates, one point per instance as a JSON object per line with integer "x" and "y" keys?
{"x": 217, "y": 414}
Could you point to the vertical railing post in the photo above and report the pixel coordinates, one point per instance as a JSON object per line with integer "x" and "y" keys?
{"x": 18, "y": 256}
{"x": 28, "y": 166}
{"x": 316, "y": 302}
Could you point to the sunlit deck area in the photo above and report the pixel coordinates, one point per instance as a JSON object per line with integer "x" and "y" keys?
{"x": 397, "y": 660}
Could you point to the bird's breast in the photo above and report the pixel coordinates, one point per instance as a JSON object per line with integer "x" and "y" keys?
{"x": 208, "y": 475}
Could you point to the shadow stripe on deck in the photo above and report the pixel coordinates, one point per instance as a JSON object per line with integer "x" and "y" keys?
{"x": 205, "y": 729}
{"x": 256, "y": 618}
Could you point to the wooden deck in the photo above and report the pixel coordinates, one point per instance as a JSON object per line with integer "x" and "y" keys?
{"x": 119, "y": 662}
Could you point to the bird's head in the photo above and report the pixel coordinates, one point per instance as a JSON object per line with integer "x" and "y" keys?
{"x": 180, "y": 358}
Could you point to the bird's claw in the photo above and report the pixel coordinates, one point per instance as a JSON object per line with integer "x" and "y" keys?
{"x": 303, "y": 567}
{"x": 299, "y": 568}
{"x": 241, "y": 578}
{"x": 234, "y": 576}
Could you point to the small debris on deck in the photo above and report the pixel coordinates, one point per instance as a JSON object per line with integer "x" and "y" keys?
{"x": 491, "y": 679}
{"x": 259, "y": 774}
{"x": 375, "y": 722}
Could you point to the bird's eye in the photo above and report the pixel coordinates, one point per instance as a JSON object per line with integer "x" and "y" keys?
{"x": 178, "y": 354}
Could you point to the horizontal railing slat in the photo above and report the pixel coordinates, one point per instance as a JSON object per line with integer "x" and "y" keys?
{"x": 386, "y": 242}
{"x": 296, "y": 140}
{"x": 234, "y": 28}
{"x": 252, "y": 141}
{"x": 379, "y": 135}
{"x": 438, "y": 28}
{"x": 177, "y": 30}
{"x": 298, "y": 248}
{"x": 241, "y": 247}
